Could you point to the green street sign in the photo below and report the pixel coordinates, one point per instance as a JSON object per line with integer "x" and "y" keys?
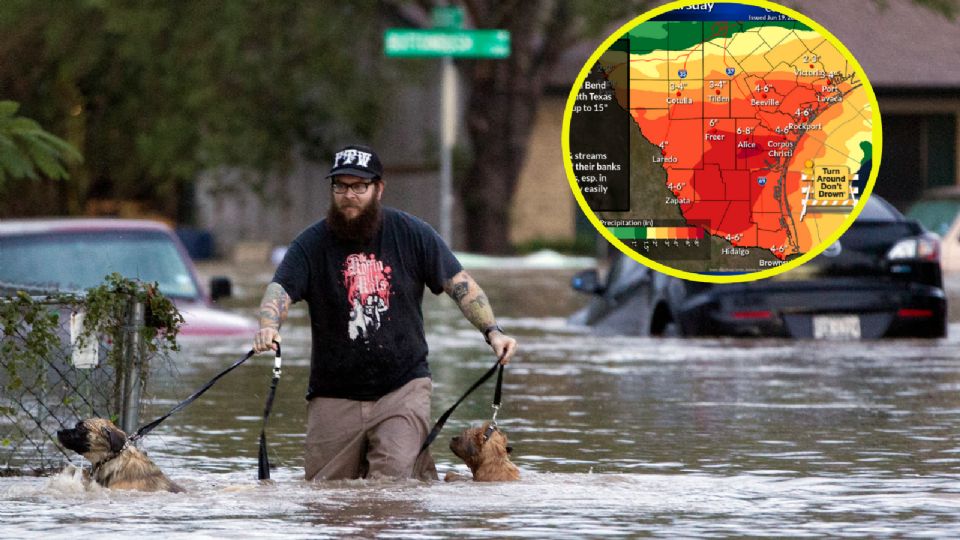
{"x": 405, "y": 42}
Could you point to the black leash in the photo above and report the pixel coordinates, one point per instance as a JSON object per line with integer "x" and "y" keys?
{"x": 263, "y": 462}
{"x": 496, "y": 403}
{"x": 496, "y": 406}
{"x": 149, "y": 427}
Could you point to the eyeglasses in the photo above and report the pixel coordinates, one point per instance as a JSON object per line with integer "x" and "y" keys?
{"x": 359, "y": 188}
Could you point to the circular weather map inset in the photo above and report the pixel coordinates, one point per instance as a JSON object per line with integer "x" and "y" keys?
{"x": 722, "y": 142}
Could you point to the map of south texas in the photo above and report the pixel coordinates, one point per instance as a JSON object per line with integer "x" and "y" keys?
{"x": 761, "y": 128}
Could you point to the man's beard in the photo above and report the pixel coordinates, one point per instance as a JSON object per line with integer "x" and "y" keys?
{"x": 360, "y": 229}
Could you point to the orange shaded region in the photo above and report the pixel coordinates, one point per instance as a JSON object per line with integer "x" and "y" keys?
{"x": 802, "y": 98}
{"x": 681, "y": 183}
{"x": 685, "y": 99}
{"x": 716, "y": 103}
{"x": 761, "y": 191}
{"x": 648, "y": 94}
{"x": 776, "y": 242}
{"x": 654, "y": 125}
{"x": 688, "y": 143}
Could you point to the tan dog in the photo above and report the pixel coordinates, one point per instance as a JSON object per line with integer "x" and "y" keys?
{"x": 116, "y": 464}
{"x": 487, "y": 457}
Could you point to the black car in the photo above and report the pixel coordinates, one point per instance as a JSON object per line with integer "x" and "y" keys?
{"x": 882, "y": 279}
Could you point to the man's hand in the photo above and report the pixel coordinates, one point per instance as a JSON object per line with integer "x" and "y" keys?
{"x": 273, "y": 312}
{"x": 264, "y": 340}
{"x": 503, "y": 346}
{"x": 476, "y": 308}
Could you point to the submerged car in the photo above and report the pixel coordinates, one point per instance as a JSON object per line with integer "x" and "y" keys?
{"x": 881, "y": 279}
{"x": 71, "y": 255}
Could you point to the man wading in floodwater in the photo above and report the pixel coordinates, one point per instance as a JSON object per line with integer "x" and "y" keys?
{"x": 362, "y": 271}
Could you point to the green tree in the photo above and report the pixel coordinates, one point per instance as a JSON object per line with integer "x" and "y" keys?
{"x": 27, "y": 151}
{"x": 155, "y": 92}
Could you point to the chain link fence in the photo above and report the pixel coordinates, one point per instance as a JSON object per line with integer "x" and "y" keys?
{"x": 49, "y": 380}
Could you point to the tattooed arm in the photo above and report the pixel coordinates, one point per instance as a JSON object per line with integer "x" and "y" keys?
{"x": 476, "y": 308}
{"x": 273, "y": 313}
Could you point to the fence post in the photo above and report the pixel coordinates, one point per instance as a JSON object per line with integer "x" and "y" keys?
{"x": 132, "y": 362}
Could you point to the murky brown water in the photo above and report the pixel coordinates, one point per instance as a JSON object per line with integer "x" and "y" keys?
{"x": 614, "y": 437}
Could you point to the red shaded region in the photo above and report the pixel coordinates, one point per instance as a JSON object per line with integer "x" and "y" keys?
{"x": 720, "y": 143}
{"x": 738, "y": 185}
{"x": 709, "y": 184}
{"x": 763, "y": 142}
{"x": 711, "y": 212}
{"x": 748, "y": 146}
{"x": 738, "y": 221}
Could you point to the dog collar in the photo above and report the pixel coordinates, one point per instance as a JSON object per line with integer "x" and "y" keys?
{"x": 99, "y": 465}
{"x": 489, "y": 431}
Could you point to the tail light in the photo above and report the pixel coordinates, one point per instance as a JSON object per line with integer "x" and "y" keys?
{"x": 910, "y": 313}
{"x": 925, "y": 248}
{"x": 759, "y": 314}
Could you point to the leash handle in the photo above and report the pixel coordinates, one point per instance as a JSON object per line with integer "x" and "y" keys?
{"x": 497, "y": 394}
{"x": 263, "y": 460}
{"x": 276, "y": 361}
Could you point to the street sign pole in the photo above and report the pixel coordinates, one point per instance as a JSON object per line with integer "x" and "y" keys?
{"x": 448, "y": 136}
{"x": 446, "y": 40}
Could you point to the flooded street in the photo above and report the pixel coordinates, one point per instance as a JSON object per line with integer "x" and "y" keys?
{"x": 614, "y": 437}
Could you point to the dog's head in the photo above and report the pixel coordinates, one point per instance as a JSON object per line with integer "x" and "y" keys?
{"x": 475, "y": 448}
{"x": 96, "y": 439}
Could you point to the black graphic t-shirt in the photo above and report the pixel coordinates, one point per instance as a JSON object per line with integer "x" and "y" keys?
{"x": 365, "y": 303}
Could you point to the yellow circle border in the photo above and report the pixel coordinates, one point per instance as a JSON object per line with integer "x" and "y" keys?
{"x": 877, "y": 141}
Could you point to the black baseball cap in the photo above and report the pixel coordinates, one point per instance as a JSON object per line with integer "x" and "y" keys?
{"x": 356, "y": 160}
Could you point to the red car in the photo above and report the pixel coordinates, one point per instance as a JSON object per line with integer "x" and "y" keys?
{"x": 76, "y": 254}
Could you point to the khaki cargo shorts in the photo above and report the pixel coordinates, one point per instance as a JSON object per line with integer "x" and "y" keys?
{"x": 370, "y": 439}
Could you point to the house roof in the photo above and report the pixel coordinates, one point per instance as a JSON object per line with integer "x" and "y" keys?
{"x": 900, "y": 44}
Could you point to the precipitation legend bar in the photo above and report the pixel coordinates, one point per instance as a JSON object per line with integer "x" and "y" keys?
{"x": 658, "y": 233}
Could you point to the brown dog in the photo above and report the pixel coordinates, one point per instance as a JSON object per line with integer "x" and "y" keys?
{"x": 487, "y": 457}
{"x": 116, "y": 464}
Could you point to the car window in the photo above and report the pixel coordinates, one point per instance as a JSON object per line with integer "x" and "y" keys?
{"x": 625, "y": 274}
{"x": 76, "y": 261}
{"x": 936, "y": 216}
{"x": 877, "y": 209}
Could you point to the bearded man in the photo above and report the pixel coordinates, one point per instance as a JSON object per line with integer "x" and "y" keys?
{"x": 368, "y": 398}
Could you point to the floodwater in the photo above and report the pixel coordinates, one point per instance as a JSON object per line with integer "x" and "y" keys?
{"x": 614, "y": 437}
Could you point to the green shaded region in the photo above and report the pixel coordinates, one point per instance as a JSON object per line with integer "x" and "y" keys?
{"x": 867, "y": 152}
{"x": 652, "y": 36}
{"x": 622, "y": 45}
{"x": 629, "y": 233}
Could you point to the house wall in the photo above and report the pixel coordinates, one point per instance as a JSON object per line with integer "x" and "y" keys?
{"x": 543, "y": 207}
